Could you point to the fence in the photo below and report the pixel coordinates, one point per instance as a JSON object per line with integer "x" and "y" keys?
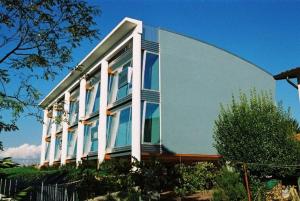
{"x": 39, "y": 192}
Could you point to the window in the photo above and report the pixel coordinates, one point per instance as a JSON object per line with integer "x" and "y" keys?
{"x": 123, "y": 136}
{"x": 152, "y": 124}
{"x": 74, "y": 107}
{"x": 91, "y": 137}
{"x": 72, "y": 144}
{"x": 119, "y": 84}
{"x": 93, "y": 95}
{"x": 47, "y": 154}
{"x": 59, "y": 118}
{"x": 57, "y": 148}
{"x": 119, "y": 128}
{"x": 109, "y": 126}
{"x": 49, "y": 126}
{"x": 151, "y": 71}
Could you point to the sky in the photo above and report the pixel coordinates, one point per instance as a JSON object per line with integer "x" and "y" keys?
{"x": 266, "y": 33}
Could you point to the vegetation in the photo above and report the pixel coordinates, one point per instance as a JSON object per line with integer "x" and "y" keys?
{"x": 119, "y": 178}
{"x": 229, "y": 187}
{"x": 36, "y": 42}
{"x": 257, "y": 131}
{"x": 7, "y": 163}
{"x": 194, "y": 177}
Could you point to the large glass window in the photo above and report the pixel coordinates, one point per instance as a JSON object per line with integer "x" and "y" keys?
{"x": 119, "y": 128}
{"x": 74, "y": 107}
{"x": 47, "y": 151}
{"x": 152, "y": 124}
{"x": 93, "y": 94}
{"x": 119, "y": 83}
{"x": 57, "y": 148}
{"x": 72, "y": 144}
{"x": 91, "y": 137}
{"x": 123, "y": 136}
{"x": 151, "y": 71}
{"x": 49, "y": 126}
{"x": 59, "y": 118}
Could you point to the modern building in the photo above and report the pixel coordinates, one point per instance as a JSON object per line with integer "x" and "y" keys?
{"x": 144, "y": 91}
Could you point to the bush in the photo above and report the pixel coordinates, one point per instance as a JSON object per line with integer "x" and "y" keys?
{"x": 229, "y": 187}
{"x": 151, "y": 178}
{"x": 194, "y": 177}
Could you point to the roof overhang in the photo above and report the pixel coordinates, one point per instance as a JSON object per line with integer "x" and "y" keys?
{"x": 123, "y": 28}
{"x": 289, "y": 74}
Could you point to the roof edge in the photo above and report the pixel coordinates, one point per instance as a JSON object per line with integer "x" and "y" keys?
{"x": 138, "y": 23}
{"x": 212, "y": 45}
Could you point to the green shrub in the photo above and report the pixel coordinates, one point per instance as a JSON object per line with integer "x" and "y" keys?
{"x": 229, "y": 187}
{"x": 194, "y": 177}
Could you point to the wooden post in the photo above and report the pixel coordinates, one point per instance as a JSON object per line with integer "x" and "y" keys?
{"x": 246, "y": 181}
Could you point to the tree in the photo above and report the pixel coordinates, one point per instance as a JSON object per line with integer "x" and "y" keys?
{"x": 256, "y": 130}
{"x": 36, "y": 42}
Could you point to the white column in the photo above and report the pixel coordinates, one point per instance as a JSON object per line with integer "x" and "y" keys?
{"x": 53, "y": 136}
{"x": 64, "y": 142}
{"x": 81, "y": 113}
{"x": 136, "y": 96}
{"x": 43, "y": 145}
{"x": 102, "y": 112}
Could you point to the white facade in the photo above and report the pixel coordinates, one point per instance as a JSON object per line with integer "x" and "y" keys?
{"x": 96, "y": 110}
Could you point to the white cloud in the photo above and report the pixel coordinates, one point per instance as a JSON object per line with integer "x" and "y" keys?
{"x": 25, "y": 151}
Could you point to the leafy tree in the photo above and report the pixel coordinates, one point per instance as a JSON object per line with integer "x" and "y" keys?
{"x": 256, "y": 130}
{"x": 37, "y": 38}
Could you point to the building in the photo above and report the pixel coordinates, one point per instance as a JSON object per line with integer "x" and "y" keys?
{"x": 143, "y": 91}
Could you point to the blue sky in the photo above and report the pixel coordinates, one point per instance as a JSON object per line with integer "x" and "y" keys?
{"x": 265, "y": 33}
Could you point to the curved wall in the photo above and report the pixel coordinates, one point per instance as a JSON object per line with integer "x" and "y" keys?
{"x": 195, "y": 79}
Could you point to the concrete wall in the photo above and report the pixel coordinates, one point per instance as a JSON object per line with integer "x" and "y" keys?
{"x": 195, "y": 79}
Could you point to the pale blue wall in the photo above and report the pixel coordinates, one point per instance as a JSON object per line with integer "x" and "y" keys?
{"x": 195, "y": 79}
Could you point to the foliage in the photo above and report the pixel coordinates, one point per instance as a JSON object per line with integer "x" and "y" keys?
{"x": 194, "y": 177}
{"x": 256, "y": 130}
{"x": 150, "y": 176}
{"x": 229, "y": 187}
{"x": 36, "y": 42}
{"x": 7, "y": 163}
{"x": 258, "y": 189}
{"x": 29, "y": 175}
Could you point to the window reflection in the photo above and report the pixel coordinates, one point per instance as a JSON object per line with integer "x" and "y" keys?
{"x": 152, "y": 124}
{"x": 72, "y": 144}
{"x": 74, "y": 107}
{"x": 57, "y": 154}
{"x": 93, "y": 95}
{"x": 151, "y": 71}
{"x": 119, "y": 128}
{"x": 91, "y": 137}
{"x": 119, "y": 83}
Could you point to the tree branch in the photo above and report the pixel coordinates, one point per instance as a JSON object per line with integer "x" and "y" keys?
{"x": 11, "y": 52}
